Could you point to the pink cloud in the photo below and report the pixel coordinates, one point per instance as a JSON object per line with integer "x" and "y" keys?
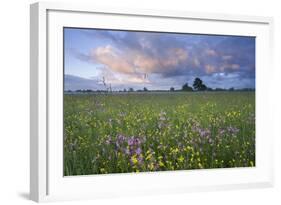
{"x": 137, "y": 63}
{"x": 211, "y": 52}
{"x": 210, "y": 68}
{"x": 112, "y": 59}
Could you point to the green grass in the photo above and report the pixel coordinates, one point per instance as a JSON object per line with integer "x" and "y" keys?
{"x": 119, "y": 133}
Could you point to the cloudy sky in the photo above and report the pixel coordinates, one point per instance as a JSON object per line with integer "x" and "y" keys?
{"x": 95, "y": 59}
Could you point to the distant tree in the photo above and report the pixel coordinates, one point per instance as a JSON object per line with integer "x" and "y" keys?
{"x": 186, "y": 87}
{"x": 231, "y": 89}
{"x": 198, "y": 85}
{"x": 145, "y": 89}
{"x": 124, "y": 90}
{"x": 247, "y": 89}
{"x": 172, "y": 89}
{"x": 131, "y": 90}
{"x": 203, "y": 87}
{"x": 209, "y": 89}
{"x": 219, "y": 89}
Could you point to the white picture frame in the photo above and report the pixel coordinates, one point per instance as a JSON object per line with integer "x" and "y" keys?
{"x": 47, "y": 182}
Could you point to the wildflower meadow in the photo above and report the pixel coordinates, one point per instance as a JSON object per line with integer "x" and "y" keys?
{"x": 158, "y": 131}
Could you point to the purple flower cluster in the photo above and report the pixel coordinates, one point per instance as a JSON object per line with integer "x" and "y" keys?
{"x": 120, "y": 140}
{"x": 130, "y": 146}
{"x": 134, "y": 149}
{"x": 203, "y": 132}
{"x": 232, "y": 130}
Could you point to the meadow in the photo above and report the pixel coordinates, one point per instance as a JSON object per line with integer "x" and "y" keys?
{"x": 146, "y": 131}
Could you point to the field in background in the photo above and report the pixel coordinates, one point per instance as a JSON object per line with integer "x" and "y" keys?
{"x": 136, "y": 132}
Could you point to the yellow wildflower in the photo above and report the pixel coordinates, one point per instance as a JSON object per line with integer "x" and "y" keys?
{"x": 161, "y": 164}
{"x": 134, "y": 159}
{"x": 181, "y": 159}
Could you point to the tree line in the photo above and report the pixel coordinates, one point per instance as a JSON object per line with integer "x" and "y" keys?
{"x": 198, "y": 85}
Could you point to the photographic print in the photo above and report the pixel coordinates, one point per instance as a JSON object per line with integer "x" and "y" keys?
{"x": 143, "y": 101}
